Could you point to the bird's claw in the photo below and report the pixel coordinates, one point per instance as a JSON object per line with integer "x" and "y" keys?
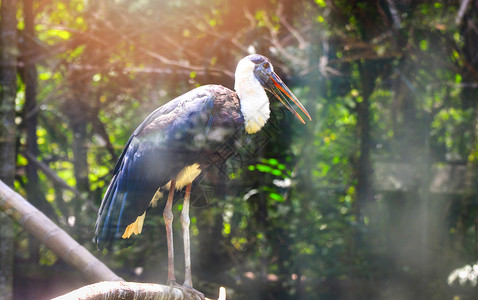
{"x": 194, "y": 292}
{"x": 189, "y": 292}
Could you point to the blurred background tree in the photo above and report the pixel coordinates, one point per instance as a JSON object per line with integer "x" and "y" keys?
{"x": 375, "y": 199}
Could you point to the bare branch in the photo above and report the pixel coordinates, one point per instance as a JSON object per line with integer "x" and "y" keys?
{"x": 163, "y": 59}
{"x": 174, "y": 63}
{"x": 295, "y": 33}
{"x": 275, "y": 41}
{"x": 395, "y": 14}
{"x": 461, "y": 11}
{"x": 234, "y": 40}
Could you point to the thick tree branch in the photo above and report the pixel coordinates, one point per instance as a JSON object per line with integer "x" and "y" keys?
{"x": 55, "y": 238}
{"x": 111, "y": 290}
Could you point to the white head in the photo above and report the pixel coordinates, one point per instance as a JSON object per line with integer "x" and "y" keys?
{"x": 254, "y": 75}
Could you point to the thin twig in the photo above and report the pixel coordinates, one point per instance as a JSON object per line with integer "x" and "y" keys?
{"x": 58, "y": 180}
{"x": 461, "y": 12}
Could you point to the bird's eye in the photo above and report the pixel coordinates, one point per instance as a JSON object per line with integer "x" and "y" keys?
{"x": 266, "y": 65}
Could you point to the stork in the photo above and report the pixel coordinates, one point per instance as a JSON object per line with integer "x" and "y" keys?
{"x": 180, "y": 140}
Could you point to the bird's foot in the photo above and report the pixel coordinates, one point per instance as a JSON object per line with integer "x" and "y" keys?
{"x": 194, "y": 292}
{"x": 188, "y": 291}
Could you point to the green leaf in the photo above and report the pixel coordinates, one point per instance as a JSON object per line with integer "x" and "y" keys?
{"x": 276, "y": 197}
{"x": 263, "y": 168}
{"x": 276, "y": 172}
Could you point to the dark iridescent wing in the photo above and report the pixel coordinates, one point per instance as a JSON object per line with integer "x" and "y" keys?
{"x": 169, "y": 139}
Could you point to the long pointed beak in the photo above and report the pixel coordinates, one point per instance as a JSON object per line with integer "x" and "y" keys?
{"x": 284, "y": 94}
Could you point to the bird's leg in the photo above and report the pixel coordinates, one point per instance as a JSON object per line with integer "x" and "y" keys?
{"x": 187, "y": 288}
{"x": 185, "y": 222}
{"x": 168, "y": 221}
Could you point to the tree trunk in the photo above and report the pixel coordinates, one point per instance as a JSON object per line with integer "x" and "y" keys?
{"x": 30, "y": 120}
{"x": 8, "y": 91}
{"x": 364, "y": 167}
{"x": 77, "y": 110}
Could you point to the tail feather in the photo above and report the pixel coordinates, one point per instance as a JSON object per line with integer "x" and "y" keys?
{"x": 108, "y": 222}
{"x": 119, "y": 207}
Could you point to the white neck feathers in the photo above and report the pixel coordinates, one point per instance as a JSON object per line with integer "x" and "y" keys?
{"x": 252, "y": 96}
